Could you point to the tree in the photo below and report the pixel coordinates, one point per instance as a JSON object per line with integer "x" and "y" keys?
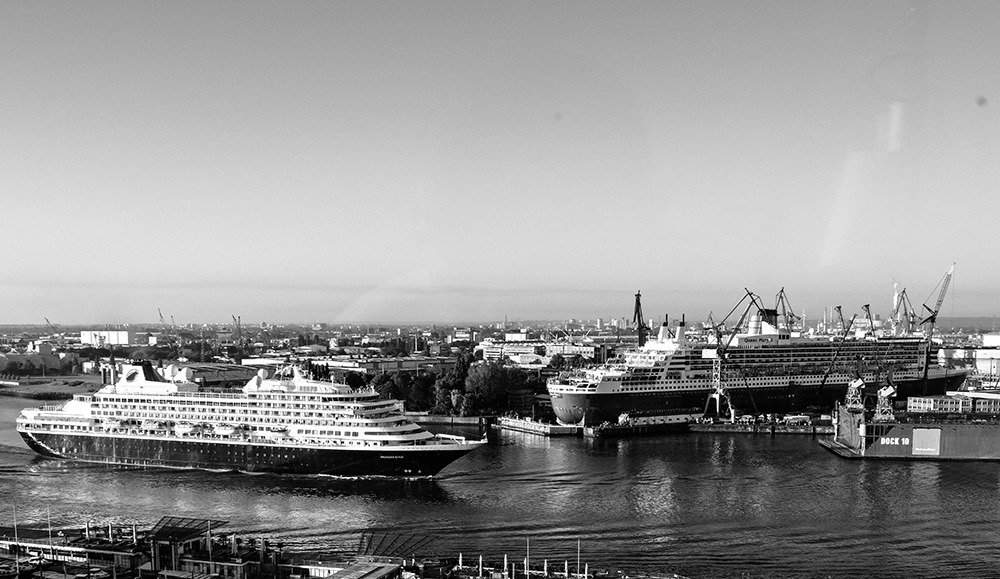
{"x": 354, "y": 380}
{"x": 442, "y": 400}
{"x": 557, "y": 361}
{"x": 421, "y": 396}
{"x": 28, "y": 368}
{"x": 384, "y": 385}
{"x": 488, "y": 386}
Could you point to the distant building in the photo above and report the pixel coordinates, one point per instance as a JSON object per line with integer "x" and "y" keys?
{"x": 106, "y": 337}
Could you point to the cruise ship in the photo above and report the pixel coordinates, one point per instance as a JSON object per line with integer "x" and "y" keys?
{"x": 764, "y": 369}
{"x": 287, "y": 423}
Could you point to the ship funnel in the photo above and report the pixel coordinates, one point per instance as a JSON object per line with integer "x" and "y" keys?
{"x": 664, "y": 334}
{"x": 681, "y": 328}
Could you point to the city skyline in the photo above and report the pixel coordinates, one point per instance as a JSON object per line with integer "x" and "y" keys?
{"x": 463, "y": 162}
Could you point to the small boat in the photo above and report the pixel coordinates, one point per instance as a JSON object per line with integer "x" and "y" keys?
{"x": 112, "y": 423}
{"x": 152, "y": 425}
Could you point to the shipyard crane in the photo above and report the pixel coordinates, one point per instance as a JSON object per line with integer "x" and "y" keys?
{"x": 781, "y": 304}
{"x": 903, "y": 313}
{"x": 868, "y": 315}
{"x": 720, "y": 392}
{"x": 840, "y": 316}
{"x": 639, "y": 321}
{"x": 49, "y": 326}
{"x": 836, "y": 353}
{"x": 883, "y": 409}
{"x": 163, "y": 323}
{"x": 238, "y": 338}
{"x": 931, "y": 318}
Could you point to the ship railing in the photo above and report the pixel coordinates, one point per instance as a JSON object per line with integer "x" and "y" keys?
{"x": 47, "y": 407}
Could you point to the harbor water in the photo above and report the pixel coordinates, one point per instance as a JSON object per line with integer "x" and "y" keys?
{"x": 698, "y": 504}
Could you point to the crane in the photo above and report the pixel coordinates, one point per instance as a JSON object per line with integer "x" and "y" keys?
{"x": 639, "y": 321}
{"x": 836, "y": 353}
{"x": 840, "y": 316}
{"x": 868, "y": 315}
{"x": 720, "y": 392}
{"x": 931, "y": 318}
{"x": 903, "y": 313}
{"x": 48, "y": 324}
{"x": 781, "y": 304}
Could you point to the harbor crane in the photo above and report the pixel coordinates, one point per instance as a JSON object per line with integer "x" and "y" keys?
{"x": 720, "y": 391}
{"x": 883, "y": 408}
{"x": 840, "y": 316}
{"x": 931, "y": 318}
{"x": 903, "y": 314}
{"x": 638, "y": 321}
{"x": 836, "y": 353}
{"x": 871, "y": 322}
{"x": 781, "y": 304}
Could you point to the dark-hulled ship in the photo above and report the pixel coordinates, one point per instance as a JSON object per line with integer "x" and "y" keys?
{"x": 287, "y": 423}
{"x": 766, "y": 369}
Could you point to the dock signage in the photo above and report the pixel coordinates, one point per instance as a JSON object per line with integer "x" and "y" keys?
{"x": 926, "y": 441}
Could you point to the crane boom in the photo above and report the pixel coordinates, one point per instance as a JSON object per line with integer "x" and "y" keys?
{"x": 932, "y": 314}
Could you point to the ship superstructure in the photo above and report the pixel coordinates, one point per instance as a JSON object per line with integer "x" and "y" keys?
{"x": 285, "y": 423}
{"x": 767, "y": 369}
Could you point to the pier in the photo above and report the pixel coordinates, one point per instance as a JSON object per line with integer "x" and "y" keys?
{"x": 535, "y": 427}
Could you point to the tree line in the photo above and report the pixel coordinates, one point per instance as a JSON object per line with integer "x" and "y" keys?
{"x": 468, "y": 389}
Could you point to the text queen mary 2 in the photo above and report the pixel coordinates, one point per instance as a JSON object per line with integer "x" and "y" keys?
{"x": 284, "y": 424}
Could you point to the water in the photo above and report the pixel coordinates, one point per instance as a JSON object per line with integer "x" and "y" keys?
{"x": 703, "y": 505}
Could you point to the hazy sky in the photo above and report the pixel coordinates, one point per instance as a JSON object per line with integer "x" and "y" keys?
{"x": 467, "y": 161}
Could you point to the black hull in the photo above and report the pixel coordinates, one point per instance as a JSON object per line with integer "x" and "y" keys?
{"x": 795, "y": 398}
{"x": 593, "y": 409}
{"x": 244, "y": 456}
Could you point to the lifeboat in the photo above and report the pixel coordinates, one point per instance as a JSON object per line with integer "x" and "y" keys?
{"x": 183, "y": 428}
{"x": 224, "y": 429}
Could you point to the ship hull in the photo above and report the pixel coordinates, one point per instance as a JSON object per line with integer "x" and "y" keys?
{"x": 175, "y": 452}
{"x": 779, "y": 397}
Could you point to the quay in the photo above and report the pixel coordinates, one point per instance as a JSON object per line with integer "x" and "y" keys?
{"x": 648, "y": 428}
{"x": 186, "y": 548}
{"x": 773, "y": 428}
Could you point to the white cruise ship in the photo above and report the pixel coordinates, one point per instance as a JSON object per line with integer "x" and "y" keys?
{"x": 286, "y": 424}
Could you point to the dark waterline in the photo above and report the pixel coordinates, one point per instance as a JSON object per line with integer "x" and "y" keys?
{"x": 703, "y": 505}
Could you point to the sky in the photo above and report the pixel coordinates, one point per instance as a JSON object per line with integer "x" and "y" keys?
{"x": 459, "y": 162}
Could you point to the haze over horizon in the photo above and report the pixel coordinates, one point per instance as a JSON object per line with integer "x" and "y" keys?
{"x": 357, "y": 162}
